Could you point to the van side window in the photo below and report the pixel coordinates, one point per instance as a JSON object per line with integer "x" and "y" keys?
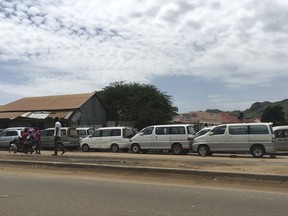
{"x": 50, "y": 132}
{"x": 11, "y": 133}
{"x": 81, "y": 132}
{"x": 162, "y": 130}
{"x": 178, "y": 130}
{"x": 281, "y": 134}
{"x": 63, "y": 132}
{"x": 219, "y": 130}
{"x": 106, "y": 133}
{"x": 147, "y": 131}
{"x": 116, "y": 132}
{"x": 238, "y": 130}
{"x": 96, "y": 133}
{"x": 258, "y": 129}
{"x": 285, "y": 133}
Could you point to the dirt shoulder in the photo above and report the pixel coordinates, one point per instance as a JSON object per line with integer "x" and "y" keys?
{"x": 222, "y": 163}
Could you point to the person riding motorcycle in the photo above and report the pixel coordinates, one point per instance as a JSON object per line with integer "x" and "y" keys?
{"x": 25, "y": 139}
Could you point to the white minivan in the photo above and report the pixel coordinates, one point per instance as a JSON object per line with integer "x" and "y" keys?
{"x": 255, "y": 138}
{"x": 281, "y": 137}
{"x": 113, "y": 138}
{"x": 177, "y": 138}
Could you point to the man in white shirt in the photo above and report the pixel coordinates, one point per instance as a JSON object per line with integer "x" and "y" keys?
{"x": 57, "y": 137}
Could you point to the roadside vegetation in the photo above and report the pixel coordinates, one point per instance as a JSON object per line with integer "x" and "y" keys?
{"x": 139, "y": 104}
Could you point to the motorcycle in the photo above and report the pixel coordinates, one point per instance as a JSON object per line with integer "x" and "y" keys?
{"x": 19, "y": 145}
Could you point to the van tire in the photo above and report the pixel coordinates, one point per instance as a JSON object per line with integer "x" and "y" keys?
{"x": 135, "y": 148}
{"x": 177, "y": 149}
{"x": 204, "y": 150}
{"x": 257, "y": 151}
{"x": 85, "y": 148}
{"x": 114, "y": 148}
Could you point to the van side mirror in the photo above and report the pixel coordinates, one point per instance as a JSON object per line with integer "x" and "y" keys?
{"x": 141, "y": 133}
{"x": 210, "y": 133}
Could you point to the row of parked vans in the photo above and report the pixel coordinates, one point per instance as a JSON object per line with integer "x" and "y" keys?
{"x": 257, "y": 139}
{"x": 177, "y": 138}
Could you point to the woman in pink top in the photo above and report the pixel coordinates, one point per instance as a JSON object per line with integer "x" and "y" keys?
{"x": 37, "y": 141}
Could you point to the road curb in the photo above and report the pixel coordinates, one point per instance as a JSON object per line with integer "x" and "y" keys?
{"x": 233, "y": 176}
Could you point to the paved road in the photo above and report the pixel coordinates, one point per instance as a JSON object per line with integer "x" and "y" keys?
{"x": 28, "y": 194}
{"x": 231, "y": 170}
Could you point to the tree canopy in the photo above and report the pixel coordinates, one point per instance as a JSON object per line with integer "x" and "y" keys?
{"x": 274, "y": 114}
{"x": 140, "y": 104}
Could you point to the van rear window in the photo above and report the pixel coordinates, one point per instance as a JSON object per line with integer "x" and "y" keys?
{"x": 178, "y": 130}
{"x": 128, "y": 133}
{"x": 259, "y": 129}
{"x": 72, "y": 132}
{"x": 116, "y": 132}
{"x": 190, "y": 130}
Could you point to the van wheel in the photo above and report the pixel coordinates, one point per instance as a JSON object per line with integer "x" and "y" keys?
{"x": 257, "y": 151}
{"x": 177, "y": 149}
{"x": 85, "y": 148}
{"x": 114, "y": 148}
{"x": 135, "y": 148}
{"x": 203, "y": 150}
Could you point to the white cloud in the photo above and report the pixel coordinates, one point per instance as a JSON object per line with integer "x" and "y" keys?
{"x": 98, "y": 42}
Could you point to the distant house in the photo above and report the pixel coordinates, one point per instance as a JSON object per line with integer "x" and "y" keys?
{"x": 73, "y": 110}
{"x": 199, "y": 119}
{"x": 205, "y": 119}
{"x": 227, "y": 118}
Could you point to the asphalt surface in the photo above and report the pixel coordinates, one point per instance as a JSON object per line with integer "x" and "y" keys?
{"x": 240, "y": 167}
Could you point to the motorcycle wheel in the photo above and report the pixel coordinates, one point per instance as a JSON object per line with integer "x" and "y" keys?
{"x": 12, "y": 148}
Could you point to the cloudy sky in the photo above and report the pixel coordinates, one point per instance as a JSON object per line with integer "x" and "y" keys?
{"x": 206, "y": 54}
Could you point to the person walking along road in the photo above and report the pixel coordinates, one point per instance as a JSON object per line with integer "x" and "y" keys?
{"x": 37, "y": 141}
{"x": 57, "y": 137}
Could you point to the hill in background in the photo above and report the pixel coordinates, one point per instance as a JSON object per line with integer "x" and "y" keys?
{"x": 256, "y": 110}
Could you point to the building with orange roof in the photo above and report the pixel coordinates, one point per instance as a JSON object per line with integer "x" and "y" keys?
{"x": 73, "y": 110}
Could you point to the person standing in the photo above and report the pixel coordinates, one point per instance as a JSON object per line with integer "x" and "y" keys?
{"x": 24, "y": 139}
{"x": 57, "y": 137}
{"x": 37, "y": 141}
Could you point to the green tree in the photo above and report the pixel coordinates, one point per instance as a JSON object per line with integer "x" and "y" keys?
{"x": 241, "y": 116}
{"x": 274, "y": 114}
{"x": 140, "y": 104}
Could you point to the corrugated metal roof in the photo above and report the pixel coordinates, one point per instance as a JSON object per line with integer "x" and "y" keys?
{"x": 61, "y": 114}
{"x": 11, "y": 115}
{"x": 47, "y": 103}
{"x": 36, "y": 115}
